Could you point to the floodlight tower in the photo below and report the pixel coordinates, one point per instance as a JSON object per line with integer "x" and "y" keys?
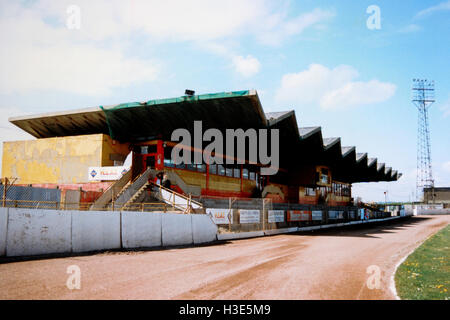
{"x": 423, "y": 98}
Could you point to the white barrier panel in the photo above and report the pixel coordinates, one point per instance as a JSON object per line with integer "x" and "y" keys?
{"x": 3, "y": 228}
{"x": 176, "y": 229}
{"x": 275, "y": 216}
{"x": 220, "y": 216}
{"x": 280, "y": 231}
{"x": 95, "y": 230}
{"x": 239, "y": 235}
{"x": 141, "y": 229}
{"x": 35, "y": 231}
{"x": 249, "y": 216}
{"x": 203, "y": 229}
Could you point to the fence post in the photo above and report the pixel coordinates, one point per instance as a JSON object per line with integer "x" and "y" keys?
{"x": 229, "y": 215}
{"x": 5, "y": 186}
{"x": 263, "y": 213}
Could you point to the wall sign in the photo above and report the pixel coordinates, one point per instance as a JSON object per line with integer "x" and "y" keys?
{"x": 249, "y": 216}
{"x": 106, "y": 173}
{"x": 220, "y": 216}
{"x": 275, "y": 216}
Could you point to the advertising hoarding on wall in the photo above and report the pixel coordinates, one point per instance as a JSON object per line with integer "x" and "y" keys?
{"x": 249, "y": 216}
{"x": 316, "y": 215}
{"x": 299, "y": 215}
{"x": 220, "y": 216}
{"x": 334, "y": 215}
{"x": 106, "y": 173}
{"x": 275, "y": 216}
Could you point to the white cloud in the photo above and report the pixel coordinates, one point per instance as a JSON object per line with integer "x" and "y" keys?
{"x": 332, "y": 88}
{"x": 246, "y": 66}
{"x": 41, "y": 57}
{"x": 43, "y": 54}
{"x": 443, "y": 6}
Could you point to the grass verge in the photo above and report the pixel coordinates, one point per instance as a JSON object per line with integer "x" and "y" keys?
{"x": 425, "y": 274}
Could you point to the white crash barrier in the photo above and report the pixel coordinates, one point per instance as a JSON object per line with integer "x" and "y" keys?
{"x": 95, "y": 230}
{"x": 141, "y": 229}
{"x": 34, "y": 232}
{"x": 3, "y": 229}
{"x": 240, "y": 235}
{"x": 203, "y": 229}
{"x": 280, "y": 231}
{"x": 176, "y": 229}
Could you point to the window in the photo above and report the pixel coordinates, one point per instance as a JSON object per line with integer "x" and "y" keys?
{"x": 252, "y": 176}
{"x": 220, "y": 170}
{"x": 245, "y": 173}
{"x": 169, "y": 163}
{"x": 310, "y": 192}
{"x": 201, "y": 168}
{"x": 229, "y": 172}
{"x": 213, "y": 168}
{"x": 237, "y": 173}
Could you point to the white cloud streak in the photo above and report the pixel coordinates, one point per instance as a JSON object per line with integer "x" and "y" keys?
{"x": 332, "y": 88}
{"x": 443, "y": 6}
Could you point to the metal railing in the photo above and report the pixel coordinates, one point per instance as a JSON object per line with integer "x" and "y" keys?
{"x": 85, "y": 206}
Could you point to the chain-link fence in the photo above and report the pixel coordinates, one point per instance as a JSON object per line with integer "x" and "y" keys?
{"x": 246, "y": 215}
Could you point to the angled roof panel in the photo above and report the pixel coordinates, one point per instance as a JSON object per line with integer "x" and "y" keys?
{"x": 306, "y": 132}
{"x": 329, "y": 142}
{"x": 360, "y": 156}
{"x": 347, "y": 150}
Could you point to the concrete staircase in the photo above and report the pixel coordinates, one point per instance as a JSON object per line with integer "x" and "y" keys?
{"x": 113, "y": 192}
{"x": 133, "y": 190}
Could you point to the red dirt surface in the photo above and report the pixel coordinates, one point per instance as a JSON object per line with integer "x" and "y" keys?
{"x": 322, "y": 265}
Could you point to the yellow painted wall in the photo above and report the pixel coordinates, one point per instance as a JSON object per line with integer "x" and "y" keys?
{"x": 112, "y": 147}
{"x": 56, "y": 160}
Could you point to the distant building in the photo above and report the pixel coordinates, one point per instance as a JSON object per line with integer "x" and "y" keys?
{"x": 437, "y": 195}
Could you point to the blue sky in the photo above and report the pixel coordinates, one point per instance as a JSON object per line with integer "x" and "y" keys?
{"x": 318, "y": 58}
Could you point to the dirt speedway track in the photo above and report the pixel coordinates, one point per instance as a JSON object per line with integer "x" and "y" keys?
{"x": 322, "y": 265}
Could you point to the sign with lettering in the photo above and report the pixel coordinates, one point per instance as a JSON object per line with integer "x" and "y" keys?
{"x": 106, "y": 173}
{"x": 220, "y": 216}
{"x": 275, "y": 216}
{"x": 249, "y": 216}
{"x": 316, "y": 215}
{"x": 299, "y": 215}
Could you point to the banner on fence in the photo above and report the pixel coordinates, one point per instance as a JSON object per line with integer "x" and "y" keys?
{"x": 299, "y": 215}
{"x": 106, "y": 173}
{"x": 316, "y": 215}
{"x": 249, "y": 216}
{"x": 333, "y": 215}
{"x": 275, "y": 216}
{"x": 220, "y": 216}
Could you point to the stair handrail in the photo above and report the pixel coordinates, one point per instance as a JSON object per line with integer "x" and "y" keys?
{"x": 189, "y": 199}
